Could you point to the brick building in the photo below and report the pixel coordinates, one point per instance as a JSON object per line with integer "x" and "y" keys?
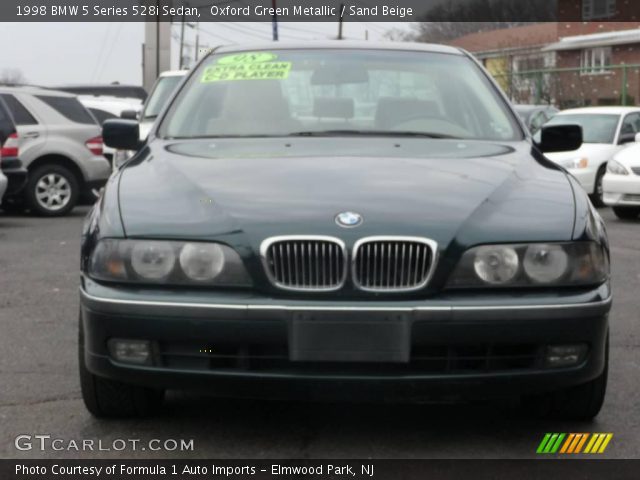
{"x": 567, "y": 63}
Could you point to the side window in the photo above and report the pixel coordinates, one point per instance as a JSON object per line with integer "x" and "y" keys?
{"x": 101, "y": 115}
{"x": 20, "y": 114}
{"x": 537, "y": 121}
{"x": 631, "y": 124}
{"x": 68, "y": 107}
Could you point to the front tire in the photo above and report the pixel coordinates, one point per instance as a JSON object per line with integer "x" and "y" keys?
{"x": 581, "y": 402}
{"x": 626, "y": 213}
{"x": 52, "y": 190}
{"x": 106, "y": 398}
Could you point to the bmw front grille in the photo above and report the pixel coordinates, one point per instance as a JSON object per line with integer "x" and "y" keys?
{"x": 309, "y": 263}
{"x": 393, "y": 264}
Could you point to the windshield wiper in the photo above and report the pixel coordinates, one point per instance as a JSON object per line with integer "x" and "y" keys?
{"x": 370, "y": 133}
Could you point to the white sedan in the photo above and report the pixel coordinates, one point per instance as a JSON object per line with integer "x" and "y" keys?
{"x": 606, "y": 132}
{"x": 621, "y": 184}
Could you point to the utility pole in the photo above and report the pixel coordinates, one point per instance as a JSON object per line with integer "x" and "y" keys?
{"x": 197, "y": 41}
{"x": 275, "y": 21}
{"x": 340, "y": 22}
{"x": 181, "y": 43}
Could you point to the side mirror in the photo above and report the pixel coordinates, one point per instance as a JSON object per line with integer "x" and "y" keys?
{"x": 129, "y": 115}
{"x": 121, "y": 134}
{"x": 627, "y": 138}
{"x": 560, "y": 138}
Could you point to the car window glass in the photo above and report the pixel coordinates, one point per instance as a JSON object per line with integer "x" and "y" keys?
{"x": 68, "y": 107}
{"x": 7, "y": 126}
{"x": 631, "y": 124}
{"x": 20, "y": 114}
{"x": 159, "y": 96}
{"x": 596, "y": 128}
{"x": 101, "y": 115}
{"x": 537, "y": 120}
{"x": 328, "y": 90}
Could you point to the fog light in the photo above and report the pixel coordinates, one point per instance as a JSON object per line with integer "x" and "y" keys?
{"x": 130, "y": 351}
{"x": 565, "y": 355}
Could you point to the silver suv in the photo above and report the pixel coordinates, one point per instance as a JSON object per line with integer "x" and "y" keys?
{"x": 60, "y": 144}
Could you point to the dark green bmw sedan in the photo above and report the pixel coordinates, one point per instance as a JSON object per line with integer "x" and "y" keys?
{"x": 343, "y": 220}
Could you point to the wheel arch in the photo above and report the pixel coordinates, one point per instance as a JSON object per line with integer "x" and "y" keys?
{"x": 63, "y": 161}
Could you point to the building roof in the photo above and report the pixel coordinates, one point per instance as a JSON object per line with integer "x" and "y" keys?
{"x": 527, "y": 36}
{"x": 622, "y": 37}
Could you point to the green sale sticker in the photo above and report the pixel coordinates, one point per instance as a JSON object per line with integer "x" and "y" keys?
{"x": 262, "y": 70}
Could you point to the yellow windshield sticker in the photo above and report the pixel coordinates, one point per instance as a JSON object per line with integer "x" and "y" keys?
{"x": 263, "y": 70}
{"x": 248, "y": 57}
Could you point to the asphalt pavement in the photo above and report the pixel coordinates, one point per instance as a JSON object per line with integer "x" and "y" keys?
{"x": 40, "y": 392}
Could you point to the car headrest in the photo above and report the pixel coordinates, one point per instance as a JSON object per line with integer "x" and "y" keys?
{"x": 333, "y": 107}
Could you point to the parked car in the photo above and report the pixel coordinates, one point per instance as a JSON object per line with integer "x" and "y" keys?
{"x": 60, "y": 145}
{"x": 272, "y": 239}
{"x": 535, "y": 116}
{"x": 606, "y": 131}
{"x": 112, "y": 90}
{"x": 621, "y": 183}
{"x": 14, "y": 175}
{"x": 104, "y": 108}
{"x": 160, "y": 94}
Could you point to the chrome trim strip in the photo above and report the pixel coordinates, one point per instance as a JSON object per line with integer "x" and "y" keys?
{"x": 264, "y": 247}
{"x": 247, "y": 307}
{"x": 432, "y": 244}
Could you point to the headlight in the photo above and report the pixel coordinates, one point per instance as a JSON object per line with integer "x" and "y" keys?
{"x": 576, "y": 163}
{"x": 495, "y": 264}
{"x": 169, "y": 263}
{"x": 616, "y": 168}
{"x": 527, "y": 265}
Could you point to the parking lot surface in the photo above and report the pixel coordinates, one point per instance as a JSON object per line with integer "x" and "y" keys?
{"x": 40, "y": 392}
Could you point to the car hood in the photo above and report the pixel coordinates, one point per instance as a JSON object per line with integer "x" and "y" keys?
{"x": 243, "y": 192}
{"x": 630, "y": 156}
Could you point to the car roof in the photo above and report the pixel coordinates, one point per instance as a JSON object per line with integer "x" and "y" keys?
{"x": 342, "y": 45}
{"x": 35, "y": 91}
{"x": 600, "y": 110}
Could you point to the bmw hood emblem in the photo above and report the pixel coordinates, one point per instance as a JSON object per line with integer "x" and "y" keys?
{"x": 348, "y": 219}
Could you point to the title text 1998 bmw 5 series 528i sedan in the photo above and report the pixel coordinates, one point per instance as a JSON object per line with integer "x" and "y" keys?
{"x": 343, "y": 220}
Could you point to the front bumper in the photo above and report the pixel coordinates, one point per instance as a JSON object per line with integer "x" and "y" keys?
{"x": 242, "y": 345}
{"x": 621, "y": 190}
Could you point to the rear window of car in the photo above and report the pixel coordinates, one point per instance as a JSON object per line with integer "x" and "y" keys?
{"x": 68, "y": 107}
{"x": 101, "y": 115}
{"x": 7, "y": 126}
{"x": 20, "y": 114}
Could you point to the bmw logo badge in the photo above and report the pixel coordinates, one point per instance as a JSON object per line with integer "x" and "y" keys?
{"x": 348, "y": 219}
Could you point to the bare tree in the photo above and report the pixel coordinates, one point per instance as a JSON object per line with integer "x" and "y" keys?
{"x": 12, "y": 76}
{"x": 457, "y": 18}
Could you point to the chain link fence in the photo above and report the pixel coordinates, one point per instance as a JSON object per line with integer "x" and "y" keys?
{"x": 574, "y": 87}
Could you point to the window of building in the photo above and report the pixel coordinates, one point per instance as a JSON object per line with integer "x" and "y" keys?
{"x": 595, "y": 60}
{"x": 594, "y": 9}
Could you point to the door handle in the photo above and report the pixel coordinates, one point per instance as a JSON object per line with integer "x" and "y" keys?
{"x": 31, "y": 135}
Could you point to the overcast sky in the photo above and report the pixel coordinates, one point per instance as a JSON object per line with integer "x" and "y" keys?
{"x": 66, "y": 53}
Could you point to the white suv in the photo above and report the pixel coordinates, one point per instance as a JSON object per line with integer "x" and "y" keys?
{"x": 61, "y": 145}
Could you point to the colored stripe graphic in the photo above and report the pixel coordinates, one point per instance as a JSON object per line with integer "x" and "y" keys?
{"x": 573, "y": 443}
{"x": 550, "y": 443}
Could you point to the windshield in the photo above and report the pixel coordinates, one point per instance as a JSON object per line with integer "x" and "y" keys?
{"x": 339, "y": 92}
{"x": 596, "y": 128}
{"x": 163, "y": 89}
